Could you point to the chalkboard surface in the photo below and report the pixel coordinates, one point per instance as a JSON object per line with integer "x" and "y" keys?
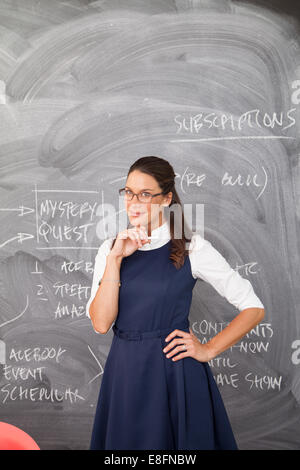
{"x": 86, "y": 88}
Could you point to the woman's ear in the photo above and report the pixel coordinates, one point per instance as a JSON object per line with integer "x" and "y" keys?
{"x": 169, "y": 200}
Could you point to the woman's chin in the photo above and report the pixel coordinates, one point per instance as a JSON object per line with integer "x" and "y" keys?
{"x": 139, "y": 220}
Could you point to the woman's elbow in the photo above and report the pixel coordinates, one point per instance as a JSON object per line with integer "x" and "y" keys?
{"x": 261, "y": 314}
{"x": 262, "y": 311}
{"x": 100, "y": 330}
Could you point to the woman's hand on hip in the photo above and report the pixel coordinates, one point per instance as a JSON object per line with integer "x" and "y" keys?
{"x": 200, "y": 352}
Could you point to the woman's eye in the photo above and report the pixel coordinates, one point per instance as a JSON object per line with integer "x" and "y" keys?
{"x": 127, "y": 191}
{"x": 146, "y": 194}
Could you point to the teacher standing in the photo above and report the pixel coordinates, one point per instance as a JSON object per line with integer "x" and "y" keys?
{"x": 157, "y": 389}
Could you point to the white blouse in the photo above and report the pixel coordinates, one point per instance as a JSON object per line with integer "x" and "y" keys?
{"x": 207, "y": 263}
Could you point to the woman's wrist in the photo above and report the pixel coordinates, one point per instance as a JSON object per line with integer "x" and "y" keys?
{"x": 115, "y": 257}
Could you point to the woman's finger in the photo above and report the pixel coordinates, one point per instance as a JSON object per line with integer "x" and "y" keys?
{"x": 143, "y": 233}
{"x": 182, "y": 334}
{"x": 122, "y": 235}
{"x": 136, "y": 238}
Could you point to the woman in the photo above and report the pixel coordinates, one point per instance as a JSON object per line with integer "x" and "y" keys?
{"x": 157, "y": 389}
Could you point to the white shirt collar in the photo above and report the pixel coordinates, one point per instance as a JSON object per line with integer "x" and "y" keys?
{"x": 161, "y": 235}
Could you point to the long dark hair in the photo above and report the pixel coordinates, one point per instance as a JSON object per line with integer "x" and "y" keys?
{"x": 164, "y": 174}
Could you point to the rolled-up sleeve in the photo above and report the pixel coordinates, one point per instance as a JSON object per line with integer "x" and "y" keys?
{"x": 207, "y": 263}
{"x": 99, "y": 268}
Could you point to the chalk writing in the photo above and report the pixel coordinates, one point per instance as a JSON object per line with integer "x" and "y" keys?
{"x": 226, "y": 121}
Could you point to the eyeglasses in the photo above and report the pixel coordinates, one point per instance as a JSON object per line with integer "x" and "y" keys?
{"x": 142, "y": 197}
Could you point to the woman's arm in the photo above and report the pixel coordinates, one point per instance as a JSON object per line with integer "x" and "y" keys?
{"x": 209, "y": 264}
{"x": 104, "y": 308}
{"x": 237, "y": 328}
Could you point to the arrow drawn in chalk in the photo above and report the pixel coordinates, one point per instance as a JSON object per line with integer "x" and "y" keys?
{"x": 98, "y": 365}
{"x": 22, "y": 209}
{"x": 18, "y": 316}
{"x": 20, "y": 237}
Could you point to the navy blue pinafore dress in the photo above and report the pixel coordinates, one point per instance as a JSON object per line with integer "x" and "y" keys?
{"x": 146, "y": 400}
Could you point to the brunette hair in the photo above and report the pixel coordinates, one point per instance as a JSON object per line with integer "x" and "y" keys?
{"x": 163, "y": 172}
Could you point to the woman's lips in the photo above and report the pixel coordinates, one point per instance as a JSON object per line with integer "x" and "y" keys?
{"x": 136, "y": 214}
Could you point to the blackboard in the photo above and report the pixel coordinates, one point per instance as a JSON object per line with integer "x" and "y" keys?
{"x": 86, "y": 89}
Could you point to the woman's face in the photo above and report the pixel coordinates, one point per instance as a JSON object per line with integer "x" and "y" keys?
{"x": 149, "y": 214}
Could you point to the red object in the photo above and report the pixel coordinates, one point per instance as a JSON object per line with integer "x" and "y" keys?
{"x": 13, "y": 438}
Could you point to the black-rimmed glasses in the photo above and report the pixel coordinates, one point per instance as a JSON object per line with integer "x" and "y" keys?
{"x": 142, "y": 196}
